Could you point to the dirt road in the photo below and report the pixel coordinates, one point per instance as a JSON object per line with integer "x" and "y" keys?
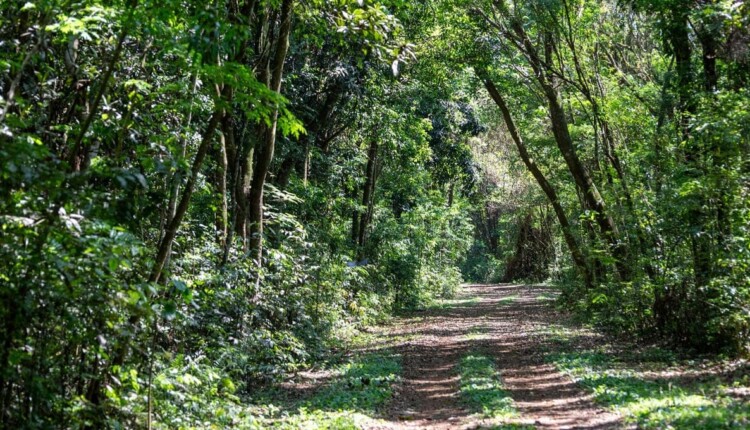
{"x": 505, "y": 322}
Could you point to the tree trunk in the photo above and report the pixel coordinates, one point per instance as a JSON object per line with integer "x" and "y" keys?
{"x": 367, "y": 194}
{"x": 265, "y": 152}
{"x": 242, "y": 189}
{"x": 234, "y": 176}
{"x": 709, "y": 47}
{"x": 76, "y": 156}
{"x": 174, "y": 224}
{"x": 285, "y": 171}
{"x": 578, "y": 258}
{"x": 222, "y": 219}
{"x": 711, "y": 77}
{"x": 679, "y": 39}
{"x": 564, "y": 142}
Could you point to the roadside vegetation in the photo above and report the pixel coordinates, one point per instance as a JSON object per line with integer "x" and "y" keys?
{"x": 352, "y": 396}
{"x": 654, "y": 387}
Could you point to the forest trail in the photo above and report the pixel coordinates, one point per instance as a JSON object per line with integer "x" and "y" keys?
{"x": 504, "y": 322}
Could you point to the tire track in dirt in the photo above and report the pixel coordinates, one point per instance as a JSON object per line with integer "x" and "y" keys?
{"x": 502, "y": 321}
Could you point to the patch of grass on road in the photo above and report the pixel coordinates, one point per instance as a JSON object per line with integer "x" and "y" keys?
{"x": 546, "y": 297}
{"x": 316, "y": 419}
{"x": 482, "y": 389}
{"x": 460, "y": 302}
{"x": 508, "y": 300}
{"x": 558, "y": 335}
{"x": 654, "y": 400}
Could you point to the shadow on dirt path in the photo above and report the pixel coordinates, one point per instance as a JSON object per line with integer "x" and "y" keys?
{"x": 501, "y": 321}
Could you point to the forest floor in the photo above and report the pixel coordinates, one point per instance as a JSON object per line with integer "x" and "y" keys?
{"x": 502, "y": 357}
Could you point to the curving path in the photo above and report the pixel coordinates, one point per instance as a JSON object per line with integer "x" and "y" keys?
{"x": 503, "y": 321}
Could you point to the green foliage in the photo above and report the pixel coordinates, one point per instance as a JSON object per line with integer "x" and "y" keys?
{"x": 357, "y": 390}
{"x": 481, "y": 266}
{"x": 507, "y": 300}
{"x": 364, "y": 385}
{"x": 418, "y": 267}
{"x": 661, "y": 134}
{"x": 189, "y": 394}
{"x": 184, "y": 394}
{"x": 328, "y": 420}
{"x": 459, "y": 300}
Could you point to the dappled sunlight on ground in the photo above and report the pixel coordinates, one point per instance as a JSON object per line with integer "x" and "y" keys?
{"x": 502, "y": 322}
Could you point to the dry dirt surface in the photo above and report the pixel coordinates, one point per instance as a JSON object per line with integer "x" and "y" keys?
{"x": 501, "y": 321}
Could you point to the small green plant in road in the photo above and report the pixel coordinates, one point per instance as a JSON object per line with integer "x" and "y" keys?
{"x": 655, "y": 402}
{"x": 546, "y": 297}
{"x": 508, "y": 300}
{"x": 442, "y": 304}
{"x": 482, "y": 389}
{"x": 558, "y": 335}
{"x": 478, "y": 332}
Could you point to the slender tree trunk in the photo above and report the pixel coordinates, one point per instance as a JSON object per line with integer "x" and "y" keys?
{"x": 564, "y": 142}
{"x": 242, "y": 188}
{"x": 578, "y": 257}
{"x": 584, "y": 180}
{"x": 355, "y": 226}
{"x": 171, "y": 230}
{"x": 176, "y": 179}
{"x": 76, "y": 158}
{"x": 306, "y": 172}
{"x": 645, "y": 242}
{"x": 265, "y": 153}
{"x": 709, "y": 48}
{"x": 222, "y": 219}
{"x": 711, "y": 77}
{"x": 679, "y": 39}
{"x": 235, "y": 156}
{"x": 367, "y": 194}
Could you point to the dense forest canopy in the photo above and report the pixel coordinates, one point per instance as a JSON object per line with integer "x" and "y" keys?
{"x": 197, "y": 198}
